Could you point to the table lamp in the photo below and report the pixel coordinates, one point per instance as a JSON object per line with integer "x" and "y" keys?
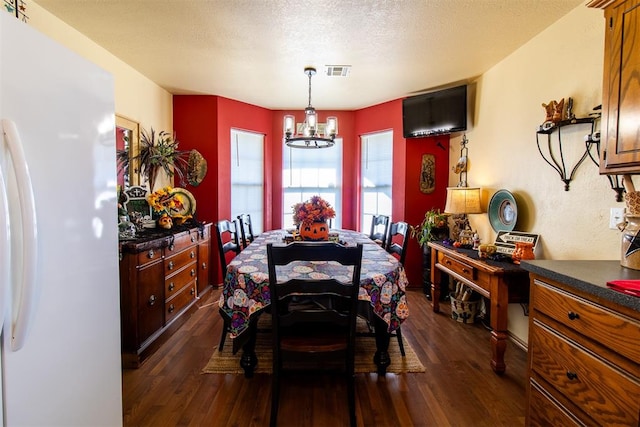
{"x": 463, "y": 201}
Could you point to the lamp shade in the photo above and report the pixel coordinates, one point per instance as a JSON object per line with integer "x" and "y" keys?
{"x": 463, "y": 200}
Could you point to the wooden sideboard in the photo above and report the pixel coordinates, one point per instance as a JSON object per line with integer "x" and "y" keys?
{"x": 584, "y": 345}
{"x": 500, "y": 282}
{"x": 162, "y": 273}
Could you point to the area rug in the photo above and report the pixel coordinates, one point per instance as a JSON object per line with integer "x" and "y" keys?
{"x": 226, "y": 362}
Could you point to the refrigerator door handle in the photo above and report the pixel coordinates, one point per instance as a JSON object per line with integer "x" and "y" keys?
{"x": 29, "y": 256}
{"x": 5, "y": 247}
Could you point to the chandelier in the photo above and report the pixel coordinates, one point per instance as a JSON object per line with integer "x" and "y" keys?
{"x": 310, "y": 133}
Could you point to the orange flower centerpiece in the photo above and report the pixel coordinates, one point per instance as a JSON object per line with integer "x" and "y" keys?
{"x": 168, "y": 204}
{"x": 311, "y": 218}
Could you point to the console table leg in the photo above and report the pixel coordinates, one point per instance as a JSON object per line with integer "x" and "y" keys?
{"x": 498, "y": 347}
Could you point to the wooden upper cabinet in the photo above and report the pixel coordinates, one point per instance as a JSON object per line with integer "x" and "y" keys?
{"x": 620, "y": 149}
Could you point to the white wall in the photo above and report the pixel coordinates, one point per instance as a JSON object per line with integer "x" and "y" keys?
{"x": 566, "y": 60}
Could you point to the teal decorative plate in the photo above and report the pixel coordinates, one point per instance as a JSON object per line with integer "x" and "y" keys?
{"x": 503, "y": 211}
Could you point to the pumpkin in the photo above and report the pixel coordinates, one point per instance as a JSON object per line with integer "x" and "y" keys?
{"x": 316, "y": 231}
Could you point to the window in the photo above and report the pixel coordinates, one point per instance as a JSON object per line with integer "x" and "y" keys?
{"x": 309, "y": 172}
{"x": 376, "y": 176}
{"x": 247, "y": 176}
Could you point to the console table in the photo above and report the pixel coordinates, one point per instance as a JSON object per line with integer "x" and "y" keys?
{"x": 501, "y": 282}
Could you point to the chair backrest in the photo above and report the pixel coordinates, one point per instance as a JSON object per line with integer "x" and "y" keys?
{"x": 341, "y": 314}
{"x": 379, "y": 228}
{"x": 398, "y": 240}
{"x": 246, "y": 229}
{"x": 227, "y": 242}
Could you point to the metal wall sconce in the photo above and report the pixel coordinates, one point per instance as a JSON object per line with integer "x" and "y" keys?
{"x": 553, "y": 153}
{"x": 615, "y": 181}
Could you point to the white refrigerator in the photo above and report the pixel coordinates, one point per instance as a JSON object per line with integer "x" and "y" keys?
{"x": 59, "y": 290}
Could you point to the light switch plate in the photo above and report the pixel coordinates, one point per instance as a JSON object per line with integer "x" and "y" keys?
{"x": 616, "y": 217}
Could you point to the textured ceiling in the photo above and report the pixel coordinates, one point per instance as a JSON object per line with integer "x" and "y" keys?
{"x": 255, "y": 50}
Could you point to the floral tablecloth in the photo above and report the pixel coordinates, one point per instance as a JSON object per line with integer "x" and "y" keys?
{"x": 246, "y": 285}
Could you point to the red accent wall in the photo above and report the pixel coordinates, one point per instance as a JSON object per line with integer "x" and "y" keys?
{"x": 409, "y": 204}
{"x": 204, "y": 123}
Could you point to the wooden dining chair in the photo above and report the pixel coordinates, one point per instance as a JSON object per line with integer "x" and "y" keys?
{"x": 398, "y": 240}
{"x": 397, "y": 243}
{"x": 246, "y": 229}
{"x": 314, "y": 328}
{"x": 379, "y": 229}
{"x": 228, "y": 247}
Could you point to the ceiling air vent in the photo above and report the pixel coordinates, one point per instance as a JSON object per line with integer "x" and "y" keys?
{"x": 337, "y": 70}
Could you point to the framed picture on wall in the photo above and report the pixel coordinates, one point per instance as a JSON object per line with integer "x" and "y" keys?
{"x": 428, "y": 174}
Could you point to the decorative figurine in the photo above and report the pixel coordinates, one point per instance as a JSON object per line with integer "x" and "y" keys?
{"x": 554, "y": 111}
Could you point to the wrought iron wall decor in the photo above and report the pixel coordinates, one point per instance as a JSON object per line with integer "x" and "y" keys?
{"x": 554, "y": 154}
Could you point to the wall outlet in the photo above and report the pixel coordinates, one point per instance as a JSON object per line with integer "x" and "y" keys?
{"x": 616, "y": 217}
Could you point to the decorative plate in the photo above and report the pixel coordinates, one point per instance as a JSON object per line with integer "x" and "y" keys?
{"x": 188, "y": 202}
{"x": 503, "y": 211}
{"x": 197, "y": 168}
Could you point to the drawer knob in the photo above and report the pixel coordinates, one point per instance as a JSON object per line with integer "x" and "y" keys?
{"x": 171, "y": 308}
{"x": 192, "y": 291}
{"x": 171, "y": 286}
{"x": 193, "y": 272}
{"x": 573, "y": 316}
{"x": 152, "y": 300}
{"x": 171, "y": 265}
{"x": 192, "y": 255}
{"x": 204, "y": 265}
{"x": 150, "y": 254}
{"x": 572, "y": 375}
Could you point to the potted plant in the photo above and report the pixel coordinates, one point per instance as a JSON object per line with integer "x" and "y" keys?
{"x": 161, "y": 154}
{"x": 433, "y": 227}
{"x": 425, "y": 231}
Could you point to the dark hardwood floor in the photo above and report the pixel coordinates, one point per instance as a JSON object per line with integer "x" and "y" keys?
{"x": 458, "y": 388}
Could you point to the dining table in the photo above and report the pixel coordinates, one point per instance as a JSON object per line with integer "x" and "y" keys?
{"x": 246, "y": 295}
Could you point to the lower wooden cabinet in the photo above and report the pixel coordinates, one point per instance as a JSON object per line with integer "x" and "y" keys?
{"x": 584, "y": 358}
{"x": 161, "y": 276}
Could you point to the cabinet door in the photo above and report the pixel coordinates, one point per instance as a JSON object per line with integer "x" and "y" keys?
{"x": 621, "y": 89}
{"x": 204, "y": 279}
{"x": 150, "y": 300}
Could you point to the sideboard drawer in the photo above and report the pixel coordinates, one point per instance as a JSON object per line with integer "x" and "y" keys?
{"x": 178, "y": 261}
{"x": 464, "y": 270}
{"x": 148, "y": 256}
{"x": 182, "y": 241}
{"x": 615, "y": 331}
{"x": 175, "y": 305}
{"x": 175, "y": 283}
{"x": 610, "y": 396}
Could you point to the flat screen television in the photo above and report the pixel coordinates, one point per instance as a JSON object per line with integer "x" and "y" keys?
{"x": 435, "y": 113}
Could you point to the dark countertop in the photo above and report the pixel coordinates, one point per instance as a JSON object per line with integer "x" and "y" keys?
{"x": 588, "y": 276}
{"x": 153, "y": 238}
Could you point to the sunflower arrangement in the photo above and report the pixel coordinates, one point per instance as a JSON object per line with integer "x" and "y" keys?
{"x": 166, "y": 202}
{"x": 316, "y": 209}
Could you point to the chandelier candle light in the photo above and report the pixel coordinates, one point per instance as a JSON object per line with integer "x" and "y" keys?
{"x": 312, "y": 134}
